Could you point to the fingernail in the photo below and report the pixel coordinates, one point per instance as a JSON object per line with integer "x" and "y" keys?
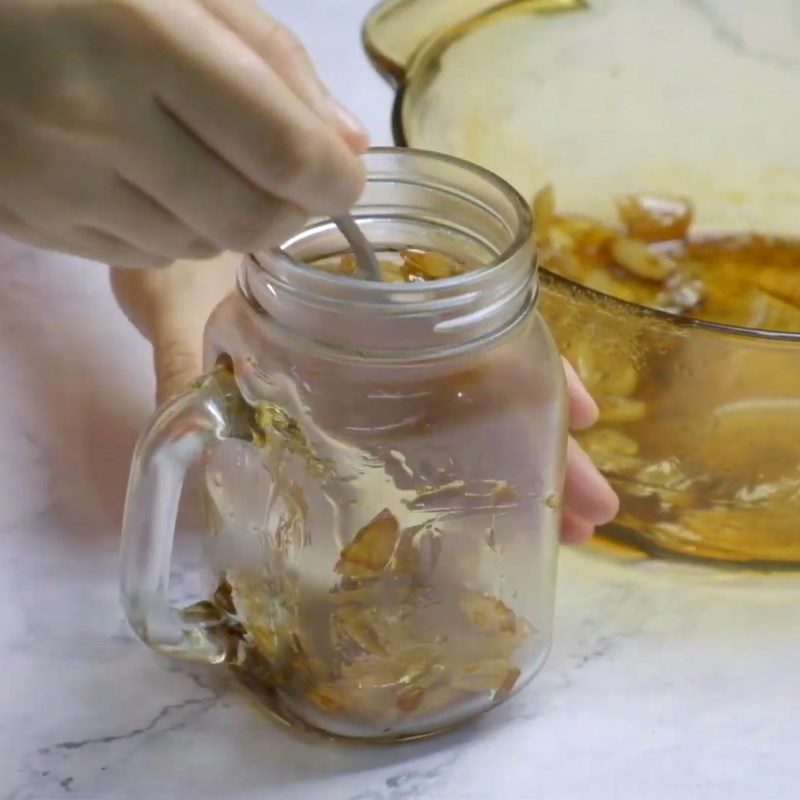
{"x": 353, "y": 131}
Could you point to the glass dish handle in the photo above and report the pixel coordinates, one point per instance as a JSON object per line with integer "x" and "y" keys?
{"x": 181, "y": 431}
{"x": 396, "y": 29}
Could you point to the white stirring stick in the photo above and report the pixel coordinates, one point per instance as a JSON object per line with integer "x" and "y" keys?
{"x": 365, "y": 257}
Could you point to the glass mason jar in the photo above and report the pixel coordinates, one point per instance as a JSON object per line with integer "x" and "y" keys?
{"x": 699, "y": 430}
{"x": 383, "y": 468}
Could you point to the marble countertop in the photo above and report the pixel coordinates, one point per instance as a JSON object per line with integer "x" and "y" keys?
{"x": 665, "y": 681}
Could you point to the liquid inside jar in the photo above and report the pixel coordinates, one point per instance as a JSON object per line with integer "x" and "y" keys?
{"x": 385, "y": 628}
{"x": 398, "y": 637}
{"x": 399, "y": 266}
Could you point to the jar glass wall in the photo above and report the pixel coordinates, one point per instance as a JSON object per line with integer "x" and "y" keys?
{"x": 385, "y": 538}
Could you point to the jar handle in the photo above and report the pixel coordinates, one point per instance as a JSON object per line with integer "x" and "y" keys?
{"x": 187, "y": 426}
{"x": 396, "y": 29}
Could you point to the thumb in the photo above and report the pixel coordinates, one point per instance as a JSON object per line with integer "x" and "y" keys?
{"x": 170, "y": 308}
{"x": 178, "y": 360}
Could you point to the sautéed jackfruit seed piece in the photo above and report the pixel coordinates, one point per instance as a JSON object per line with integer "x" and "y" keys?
{"x": 655, "y": 218}
{"x": 486, "y": 676}
{"x": 486, "y": 613}
{"x": 371, "y": 548}
{"x": 431, "y": 266}
{"x": 640, "y": 260}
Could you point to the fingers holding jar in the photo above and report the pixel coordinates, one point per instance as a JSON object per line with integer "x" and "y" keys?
{"x": 583, "y": 410}
{"x": 139, "y": 132}
{"x": 589, "y": 499}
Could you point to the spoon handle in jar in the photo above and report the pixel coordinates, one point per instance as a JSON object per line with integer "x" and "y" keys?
{"x": 361, "y": 248}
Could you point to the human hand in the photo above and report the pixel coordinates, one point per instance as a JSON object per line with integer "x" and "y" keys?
{"x": 170, "y": 308}
{"x": 589, "y": 499}
{"x": 140, "y": 131}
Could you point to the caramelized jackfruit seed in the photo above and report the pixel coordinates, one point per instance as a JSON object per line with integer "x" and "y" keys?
{"x": 487, "y": 613}
{"x": 371, "y": 548}
{"x": 430, "y": 266}
{"x": 328, "y": 698}
{"x": 487, "y": 676}
{"x": 544, "y": 211}
{"x": 512, "y": 676}
{"x": 638, "y": 259}
{"x": 655, "y": 218}
{"x": 621, "y": 409}
{"x": 410, "y": 698}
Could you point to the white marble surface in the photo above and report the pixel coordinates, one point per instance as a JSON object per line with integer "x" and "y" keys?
{"x": 664, "y": 682}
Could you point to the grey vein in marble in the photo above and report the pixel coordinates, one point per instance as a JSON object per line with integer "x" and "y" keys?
{"x": 735, "y": 39}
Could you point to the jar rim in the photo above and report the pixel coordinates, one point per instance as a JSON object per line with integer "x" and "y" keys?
{"x": 385, "y": 357}
{"x": 522, "y": 236}
{"x": 412, "y": 199}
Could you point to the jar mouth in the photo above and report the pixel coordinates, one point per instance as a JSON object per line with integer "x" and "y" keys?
{"x": 518, "y": 220}
{"x": 375, "y": 355}
{"x": 412, "y": 200}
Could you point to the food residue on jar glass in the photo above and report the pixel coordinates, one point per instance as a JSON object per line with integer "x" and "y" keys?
{"x": 385, "y": 643}
{"x": 385, "y": 633}
{"x": 409, "y": 265}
